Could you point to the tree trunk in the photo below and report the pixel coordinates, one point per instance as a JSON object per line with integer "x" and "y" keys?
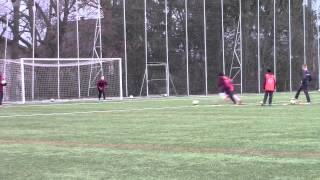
{"x": 15, "y": 29}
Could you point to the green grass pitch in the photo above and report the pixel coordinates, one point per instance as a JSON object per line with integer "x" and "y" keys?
{"x": 166, "y": 138}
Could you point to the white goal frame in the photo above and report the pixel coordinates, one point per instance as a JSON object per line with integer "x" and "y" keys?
{"x": 93, "y": 63}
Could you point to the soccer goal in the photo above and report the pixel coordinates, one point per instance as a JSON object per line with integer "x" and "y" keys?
{"x": 40, "y": 80}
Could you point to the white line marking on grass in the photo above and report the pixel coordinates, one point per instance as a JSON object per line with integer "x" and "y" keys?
{"x": 135, "y": 110}
{"x": 107, "y": 111}
{"x": 93, "y": 102}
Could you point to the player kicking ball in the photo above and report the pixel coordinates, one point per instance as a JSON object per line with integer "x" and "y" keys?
{"x": 306, "y": 79}
{"x": 226, "y": 89}
{"x": 269, "y": 86}
{"x": 101, "y": 86}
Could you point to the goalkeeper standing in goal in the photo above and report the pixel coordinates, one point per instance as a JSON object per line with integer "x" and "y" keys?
{"x": 101, "y": 86}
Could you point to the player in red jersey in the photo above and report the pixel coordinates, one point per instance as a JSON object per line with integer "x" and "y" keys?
{"x": 226, "y": 86}
{"x": 269, "y": 86}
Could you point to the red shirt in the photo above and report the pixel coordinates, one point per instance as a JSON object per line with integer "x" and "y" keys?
{"x": 225, "y": 83}
{"x": 101, "y": 84}
{"x": 228, "y": 83}
{"x": 269, "y": 82}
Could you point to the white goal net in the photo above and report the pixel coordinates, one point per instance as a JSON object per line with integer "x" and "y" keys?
{"x": 32, "y": 80}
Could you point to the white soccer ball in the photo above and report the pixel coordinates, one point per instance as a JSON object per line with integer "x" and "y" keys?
{"x": 52, "y": 100}
{"x": 3, "y": 82}
{"x": 165, "y": 95}
{"x": 131, "y": 96}
{"x": 293, "y": 101}
{"x": 195, "y": 102}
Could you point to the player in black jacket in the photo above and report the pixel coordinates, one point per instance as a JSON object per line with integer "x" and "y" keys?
{"x": 306, "y": 79}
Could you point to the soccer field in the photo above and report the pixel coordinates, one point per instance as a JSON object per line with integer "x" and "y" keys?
{"x": 164, "y": 138}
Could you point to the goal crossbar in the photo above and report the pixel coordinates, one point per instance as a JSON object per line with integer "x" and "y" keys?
{"x": 72, "y": 59}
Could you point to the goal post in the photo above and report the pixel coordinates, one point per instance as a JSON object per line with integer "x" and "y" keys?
{"x": 44, "y": 79}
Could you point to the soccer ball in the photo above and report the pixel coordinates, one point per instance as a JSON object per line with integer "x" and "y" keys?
{"x": 52, "y": 100}
{"x": 165, "y": 95}
{"x": 195, "y": 102}
{"x": 3, "y": 82}
{"x": 131, "y": 96}
{"x": 293, "y": 101}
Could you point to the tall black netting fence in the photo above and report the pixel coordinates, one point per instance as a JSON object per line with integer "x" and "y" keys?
{"x": 230, "y": 36}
